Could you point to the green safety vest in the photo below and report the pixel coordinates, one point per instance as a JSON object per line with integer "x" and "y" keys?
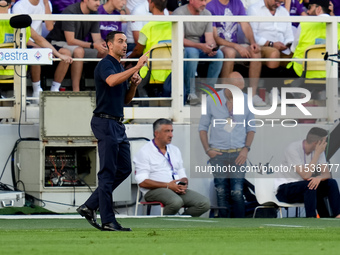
{"x": 310, "y": 33}
{"x": 7, "y": 36}
{"x": 156, "y": 31}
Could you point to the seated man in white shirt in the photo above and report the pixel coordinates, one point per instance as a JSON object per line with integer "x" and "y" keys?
{"x": 274, "y": 38}
{"x": 161, "y": 176}
{"x": 309, "y": 179}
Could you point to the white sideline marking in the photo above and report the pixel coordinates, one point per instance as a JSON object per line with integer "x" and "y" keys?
{"x": 285, "y": 226}
{"x": 72, "y": 216}
{"x": 191, "y": 220}
{"x": 39, "y": 216}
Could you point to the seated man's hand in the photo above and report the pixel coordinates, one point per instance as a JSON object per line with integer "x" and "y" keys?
{"x": 280, "y": 46}
{"x": 208, "y": 49}
{"x": 242, "y": 51}
{"x": 314, "y": 182}
{"x": 255, "y": 48}
{"x": 179, "y": 189}
{"x": 66, "y": 59}
{"x": 101, "y": 47}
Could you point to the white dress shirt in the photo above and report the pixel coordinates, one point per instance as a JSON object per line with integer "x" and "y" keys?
{"x": 270, "y": 31}
{"x": 294, "y": 155}
{"x": 151, "y": 164}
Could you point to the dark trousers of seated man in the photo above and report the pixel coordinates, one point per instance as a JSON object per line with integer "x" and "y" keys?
{"x": 194, "y": 203}
{"x": 298, "y": 192}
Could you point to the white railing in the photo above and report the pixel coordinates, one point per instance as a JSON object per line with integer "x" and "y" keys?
{"x": 178, "y": 112}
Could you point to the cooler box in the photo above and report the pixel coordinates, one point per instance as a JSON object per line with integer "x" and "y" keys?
{"x": 12, "y": 199}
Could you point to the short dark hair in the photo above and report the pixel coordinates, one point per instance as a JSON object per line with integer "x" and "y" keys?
{"x": 111, "y": 36}
{"x": 325, "y": 10}
{"x": 323, "y": 3}
{"x": 156, "y": 125}
{"x": 160, "y": 4}
{"x": 316, "y": 134}
{"x": 8, "y": 2}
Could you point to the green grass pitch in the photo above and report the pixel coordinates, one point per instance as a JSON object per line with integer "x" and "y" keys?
{"x": 172, "y": 235}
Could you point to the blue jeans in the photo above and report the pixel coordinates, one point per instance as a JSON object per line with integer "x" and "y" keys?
{"x": 191, "y": 66}
{"x": 229, "y": 186}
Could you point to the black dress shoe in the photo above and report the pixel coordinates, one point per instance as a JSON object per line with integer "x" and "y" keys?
{"x": 114, "y": 226}
{"x": 90, "y": 215}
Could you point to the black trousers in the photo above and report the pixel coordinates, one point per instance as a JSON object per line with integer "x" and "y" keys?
{"x": 115, "y": 164}
{"x": 298, "y": 192}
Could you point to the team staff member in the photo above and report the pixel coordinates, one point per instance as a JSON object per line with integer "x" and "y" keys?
{"x": 228, "y": 145}
{"x": 112, "y": 93}
{"x": 310, "y": 182}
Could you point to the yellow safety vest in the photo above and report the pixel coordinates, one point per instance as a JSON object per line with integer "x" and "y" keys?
{"x": 7, "y": 36}
{"x": 310, "y": 31}
{"x": 156, "y": 31}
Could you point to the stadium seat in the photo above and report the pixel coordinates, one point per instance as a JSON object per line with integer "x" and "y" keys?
{"x": 265, "y": 194}
{"x": 6, "y": 81}
{"x": 154, "y": 78}
{"x": 308, "y": 79}
{"x": 140, "y": 201}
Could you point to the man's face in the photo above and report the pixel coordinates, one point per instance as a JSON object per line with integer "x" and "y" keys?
{"x": 312, "y": 9}
{"x": 150, "y": 6}
{"x": 165, "y": 134}
{"x": 118, "y": 4}
{"x": 119, "y": 45}
{"x": 198, "y": 5}
{"x": 93, "y": 5}
{"x": 274, "y": 4}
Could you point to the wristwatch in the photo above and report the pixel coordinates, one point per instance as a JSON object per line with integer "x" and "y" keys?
{"x": 91, "y": 46}
{"x": 248, "y": 147}
{"x": 270, "y": 44}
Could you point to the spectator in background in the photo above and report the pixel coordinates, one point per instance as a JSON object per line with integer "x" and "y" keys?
{"x": 195, "y": 47}
{"x": 334, "y": 8}
{"x": 225, "y": 34}
{"x": 7, "y": 36}
{"x": 141, "y": 9}
{"x": 274, "y": 38}
{"x": 174, "y": 4}
{"x": 151, "y": 34}
{"x": 132, "y": 6}
{"x": 60, "y": 5}
{"x": 112, "y": 7}
{"x": 36, "y": 7}
{"x": 71, "y": 35}
{"x": 308, "y": 33}
{"x": 247, "y": 3}
{"x": 295, "y": 8}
